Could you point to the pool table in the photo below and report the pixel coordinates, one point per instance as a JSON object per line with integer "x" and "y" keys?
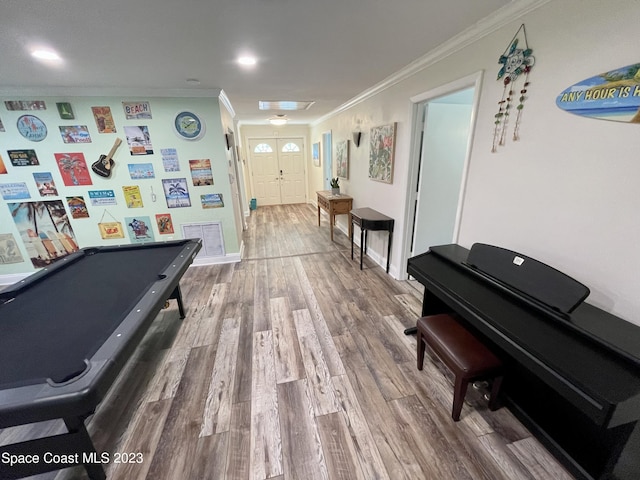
{"x": 66, "y": 333}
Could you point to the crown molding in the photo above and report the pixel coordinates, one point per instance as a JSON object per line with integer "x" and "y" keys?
{"x": 482, "y": 28}
{"x": 114, "y": 92}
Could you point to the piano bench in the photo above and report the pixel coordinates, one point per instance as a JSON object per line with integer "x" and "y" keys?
{"x": 462, "y": 353}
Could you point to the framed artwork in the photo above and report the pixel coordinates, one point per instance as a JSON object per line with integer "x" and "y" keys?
{"x": 382, "y": 152}
{"x": 65, "y": 111}
{"x": 315, "y": 154}
{"x": 342, "y": 159}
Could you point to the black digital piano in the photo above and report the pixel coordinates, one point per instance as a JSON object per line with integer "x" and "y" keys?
{"x": 573, "y": 370}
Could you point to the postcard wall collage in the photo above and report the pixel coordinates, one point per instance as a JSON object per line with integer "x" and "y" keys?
{"x": 79, "y": 172}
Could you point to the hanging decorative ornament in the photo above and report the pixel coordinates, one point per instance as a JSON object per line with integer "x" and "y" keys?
{"x": 515, "y": 62}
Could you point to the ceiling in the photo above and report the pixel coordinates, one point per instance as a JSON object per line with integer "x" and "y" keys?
{"x": 327, "y": 51}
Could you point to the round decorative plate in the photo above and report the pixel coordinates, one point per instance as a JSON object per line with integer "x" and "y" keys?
{"x": 188, "y": 125}
{"x": 32, "y": 128}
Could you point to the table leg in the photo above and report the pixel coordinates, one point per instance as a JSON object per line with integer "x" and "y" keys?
{"x": 389, "y": 249}
{"x": 362, "y": 239}
{"x": 351, "y": 234}
{"x": 332, "y": 221}
{"x": 318, "y": 214}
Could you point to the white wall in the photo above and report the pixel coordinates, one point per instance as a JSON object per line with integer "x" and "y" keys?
{"x": 567, "y": 192}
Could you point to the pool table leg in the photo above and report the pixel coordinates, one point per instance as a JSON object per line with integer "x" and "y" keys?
{"x": 177, "y": 294}
{"x": 76, "y": 427}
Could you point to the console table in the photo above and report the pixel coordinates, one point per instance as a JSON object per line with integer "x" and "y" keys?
{"x": 370, "y": 219}
{"x": 335, "y": 205}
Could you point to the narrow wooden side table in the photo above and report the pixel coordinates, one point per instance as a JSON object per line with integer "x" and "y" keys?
{"x": 335, "y": 205}
{"x": 370, "y": 219}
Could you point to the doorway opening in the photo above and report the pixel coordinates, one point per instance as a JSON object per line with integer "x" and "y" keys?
{"x": 443, "y": 124}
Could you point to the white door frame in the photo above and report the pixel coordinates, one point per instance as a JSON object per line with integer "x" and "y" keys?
{"x": 473, "y": 80}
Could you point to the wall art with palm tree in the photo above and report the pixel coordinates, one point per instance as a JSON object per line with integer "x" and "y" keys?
{"x": 44, "y": 230}
{"x": 73, "y": 169}
{"x": 176, "y": 192}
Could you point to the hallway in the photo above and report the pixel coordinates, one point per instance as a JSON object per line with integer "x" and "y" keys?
{"x": 292, "y": 364}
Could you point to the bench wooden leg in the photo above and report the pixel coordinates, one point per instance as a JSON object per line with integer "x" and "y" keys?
{"x": 459, "y": 392}
{"x": 421, "y": 347}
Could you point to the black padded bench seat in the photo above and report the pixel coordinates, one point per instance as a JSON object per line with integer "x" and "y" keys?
{"x": 466, "y": 357}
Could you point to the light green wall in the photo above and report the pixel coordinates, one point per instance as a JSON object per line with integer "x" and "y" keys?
{"x": 212, "y": 146}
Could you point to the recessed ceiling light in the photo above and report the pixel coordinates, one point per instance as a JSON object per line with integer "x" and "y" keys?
{"x": 45, "y": 55}
{"x": 247, "y": 61}
{"x": 193, "y": 81}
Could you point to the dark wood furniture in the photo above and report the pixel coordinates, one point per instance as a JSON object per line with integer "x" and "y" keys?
{"x": 465, "y": 356}
{"x": 370, "y": 219}
{"x": 572, "y": 378}
{"x": 67, "y": 331}
{"x": 334, "y": 205}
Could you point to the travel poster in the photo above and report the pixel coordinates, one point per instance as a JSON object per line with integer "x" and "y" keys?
{"x": 201, "y": 172}
{"x": 45, "y": 230}
{"x": 139, "y": 229}
{"x": 139, "y": 140}
{"x": 170, "y": 159}
{"x": 75, "y": 134}
{"x": 73, "y": 169}
{"x": 9, "y": 251}
{"x": 77, "y": 207}
{"x": 14, "y": 191}
{"x": 212, "y": 200}
{"x": 165, "y": 223}
{"x": 139, "y": 171}
{"x": 45, "y": 184}
{"x": 132, "y": 196}
{"x": 104, "y": 119}
{"x": 176, "y": 192}
{"x": 23, "y": 158}
{"x": 3, "y": 168}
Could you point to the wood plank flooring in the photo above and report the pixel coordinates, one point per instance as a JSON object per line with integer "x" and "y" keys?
{"x": 293, "y": 365}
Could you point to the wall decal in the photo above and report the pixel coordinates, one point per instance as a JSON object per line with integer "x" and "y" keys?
{"x": 515, "y": 62}
{"x": 613, "y": 95}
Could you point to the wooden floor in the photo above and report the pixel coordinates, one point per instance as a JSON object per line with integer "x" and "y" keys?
{"x": 293, "y": 365}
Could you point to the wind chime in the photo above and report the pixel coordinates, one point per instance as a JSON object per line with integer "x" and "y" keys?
{"x": 515, "y": 62}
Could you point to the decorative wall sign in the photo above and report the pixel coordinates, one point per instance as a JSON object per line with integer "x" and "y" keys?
{"x": 515, "y": 62}
{"x": 139, "y": 140}
{"x": 75, "y": 134}
{"x": 382, "y": 147}
{"x": 212, "y": 200}
{"x": 45, "y": 229}
{"x": 104, "y": 119}
{"x": 77, "y": 207}
{"x": 73, "y": 168}
{"x": 65, "y": 111}
{"x": 613, "y": 95}
{"x": 139, "y": 171}
{"x": 1, "y": 126}
{"x": 102, "y": 197}
{"x": 165, "y": 223}
{"x": 13, "y": 105}
{"x": 32, "y": 128}
{"x": 170, "y": 160}
{"x": 9, "y": 251}
{"x": 45, "y": 184}
{"x": 23, "y": 158}
{"x": 3, "y": 168}
{"x": 201, "y": 172}
{"x": 136, "y": 110}
{"x": 176, "y": 192}
{"x": 14, "y": 191}
{"x": 342, "y": 159}
{"x": 132, "y": 196}
{"x": 139, "y": 229}
{"x": 109, "y": 230}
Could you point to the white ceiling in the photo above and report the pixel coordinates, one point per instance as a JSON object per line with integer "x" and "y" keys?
{"x": 327, "y": 51}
